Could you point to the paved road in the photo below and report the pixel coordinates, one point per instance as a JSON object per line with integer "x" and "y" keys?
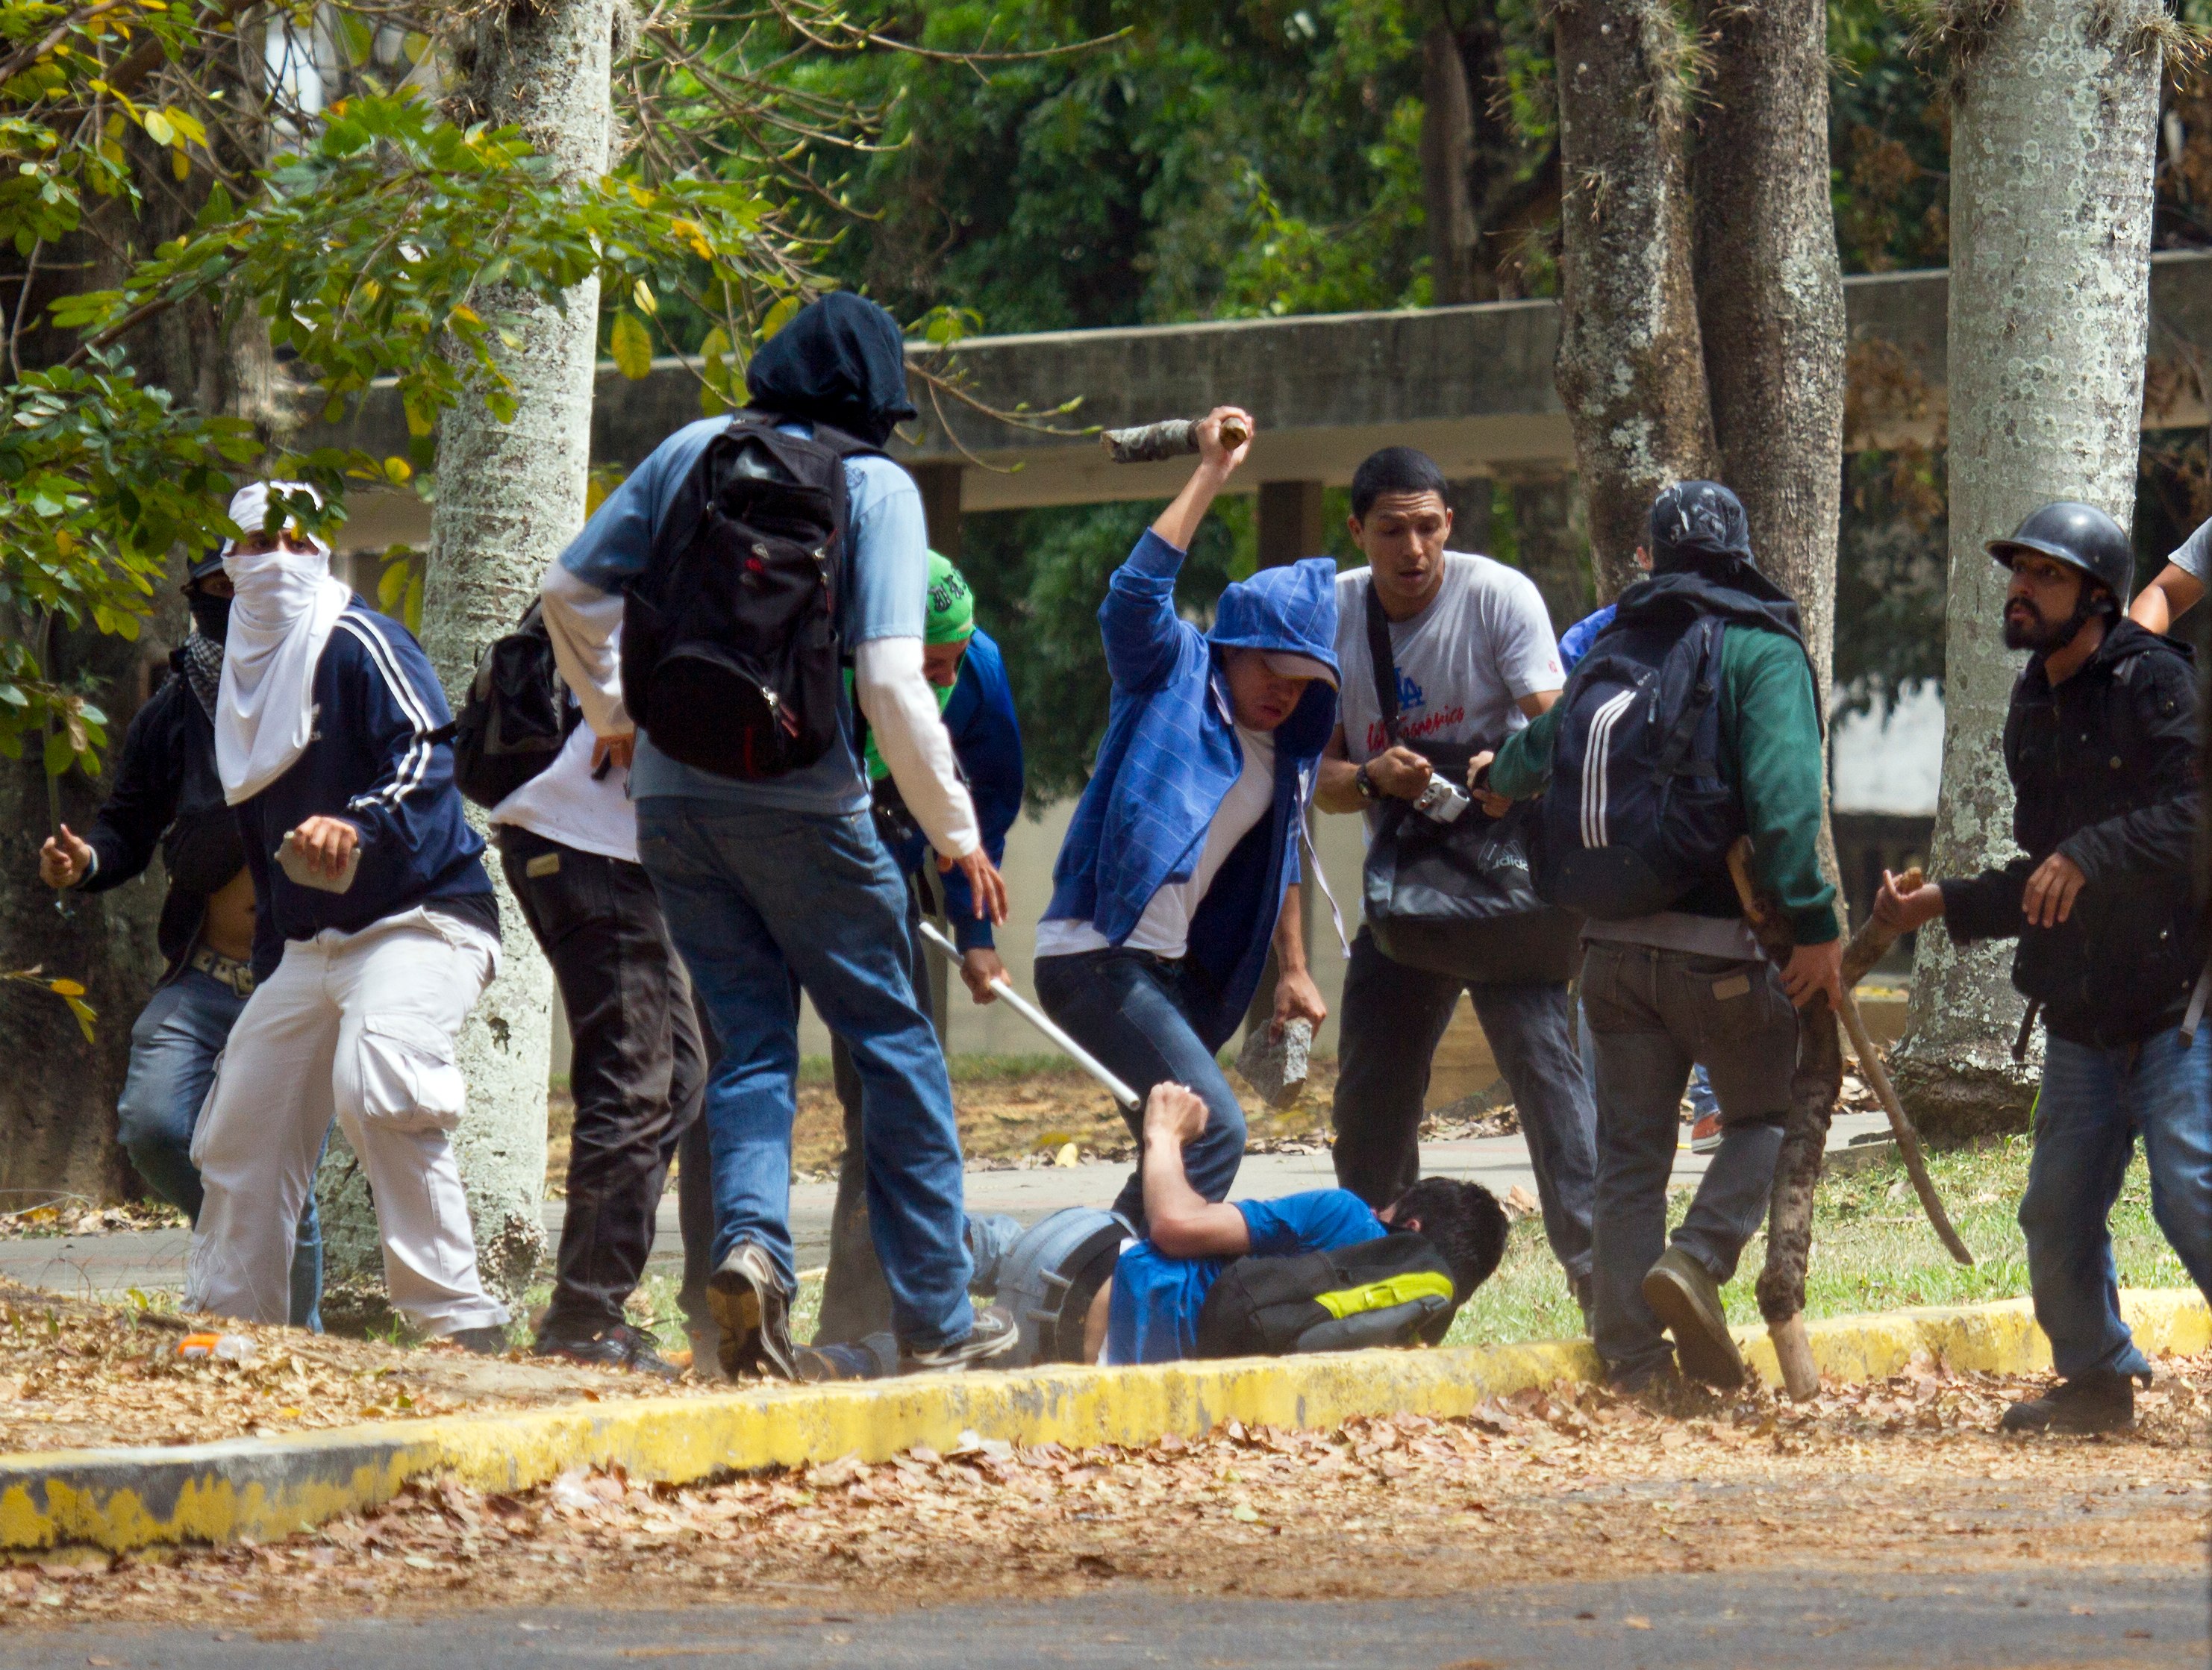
{"x": 111, "y": 1263}
{"x": 2046, "y": 1617}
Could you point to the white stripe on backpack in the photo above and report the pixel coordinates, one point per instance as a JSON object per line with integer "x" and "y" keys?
{"x": 1595, "y": 784}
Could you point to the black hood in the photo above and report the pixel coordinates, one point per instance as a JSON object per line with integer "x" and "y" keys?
{"x": 841, "y": 361}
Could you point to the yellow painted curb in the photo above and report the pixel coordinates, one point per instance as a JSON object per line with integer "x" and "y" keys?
{"x": 128, "y": 1498}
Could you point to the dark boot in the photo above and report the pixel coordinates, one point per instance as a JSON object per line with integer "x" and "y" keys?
{"x": 2099, "y": 1402}
{"x": 1688, "y": 1302}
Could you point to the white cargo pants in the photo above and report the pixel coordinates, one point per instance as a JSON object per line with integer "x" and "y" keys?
{"x": 361, "y": 1025}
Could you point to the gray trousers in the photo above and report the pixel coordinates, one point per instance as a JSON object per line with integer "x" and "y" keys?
{"x": 1654, "y": 1013}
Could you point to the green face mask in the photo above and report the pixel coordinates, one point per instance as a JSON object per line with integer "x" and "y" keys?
{"x": 951, "y": 618}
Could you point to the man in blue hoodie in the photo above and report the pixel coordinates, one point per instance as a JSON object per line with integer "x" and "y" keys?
{"x": 1180, "y": 864}
{"x": 375, "y": 932}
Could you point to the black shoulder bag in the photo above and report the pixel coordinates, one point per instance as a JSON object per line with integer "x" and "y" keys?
{"x": 1456, "y": 898}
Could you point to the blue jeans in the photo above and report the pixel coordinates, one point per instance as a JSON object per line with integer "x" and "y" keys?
{"x": 2094, "y": 1103}
{"x": 760, "y": 903}
{"x": 1132, "y": 1009}
{"x": 173, "y": 1048}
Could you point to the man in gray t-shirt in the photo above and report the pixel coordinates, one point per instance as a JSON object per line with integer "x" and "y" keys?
{"x": 1475, "y": 660}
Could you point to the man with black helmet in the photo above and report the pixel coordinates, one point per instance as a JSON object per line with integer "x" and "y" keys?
{"x": 2102, "y": 746}
{"x": 168, "y": 796}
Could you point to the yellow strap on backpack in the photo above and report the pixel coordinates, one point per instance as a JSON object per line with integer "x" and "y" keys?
{"x": 1381, "y": 1295}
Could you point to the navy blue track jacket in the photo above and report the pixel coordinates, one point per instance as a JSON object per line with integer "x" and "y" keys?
{"x": 372, "y": 759}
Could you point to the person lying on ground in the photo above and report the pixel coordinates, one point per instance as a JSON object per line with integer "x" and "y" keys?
{"x": 1148, "y": 1311}
{"x": 2101, "y": 746}
{"x": 1180, "y": 864}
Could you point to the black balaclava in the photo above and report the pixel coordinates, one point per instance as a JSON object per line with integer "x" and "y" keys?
{"x": 841, "y": 361}
{"x": 211, "y": 615}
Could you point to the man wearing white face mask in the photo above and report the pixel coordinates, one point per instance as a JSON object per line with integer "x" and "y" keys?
{"x": 375, "y": 932}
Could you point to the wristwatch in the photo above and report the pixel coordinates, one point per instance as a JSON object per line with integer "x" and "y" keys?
{"x": 1364, "y": 784}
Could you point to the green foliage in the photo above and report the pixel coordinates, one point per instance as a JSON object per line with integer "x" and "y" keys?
{"x": 1221, "y": 158}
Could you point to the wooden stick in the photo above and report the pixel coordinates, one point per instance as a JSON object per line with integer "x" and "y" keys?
{"x": 1793, "y": 1352}
{"x": 1908, "y": 1140}
{"x": 1148, "y": 443}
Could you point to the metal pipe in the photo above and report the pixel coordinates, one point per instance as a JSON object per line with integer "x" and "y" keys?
{"x": 1044, "y": 1023}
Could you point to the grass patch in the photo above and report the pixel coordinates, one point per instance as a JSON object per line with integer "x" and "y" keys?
{"x": 1872, "y": 1249}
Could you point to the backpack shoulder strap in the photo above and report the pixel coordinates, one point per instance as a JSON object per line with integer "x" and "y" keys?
{"x": 1673, "y": 757}
{"x": 1383, "y": 662}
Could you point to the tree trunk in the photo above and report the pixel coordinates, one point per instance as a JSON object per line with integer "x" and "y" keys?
{"x": 509, "y": 497}
{"x": 1446, "y": 149}
{"x": 2054, "y": 108}
{"x": 1771, "y": 304}
{"x": 1771, "y": 296}
{"x": 57, "y": 1099}
{"x": 1630, "y": 371}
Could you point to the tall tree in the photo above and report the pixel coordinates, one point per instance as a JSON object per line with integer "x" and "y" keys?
{"x": 510, "y": 496}
{"x": 1630, "y": 364}
{"x": 2054, "y": 119}
{"x": 1447, "y": 152}
{"x": 1771, "y": 294}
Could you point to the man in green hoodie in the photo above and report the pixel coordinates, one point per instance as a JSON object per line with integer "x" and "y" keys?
{"x": 1671, "y": 976}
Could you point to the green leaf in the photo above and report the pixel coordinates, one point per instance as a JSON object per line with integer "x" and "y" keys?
{"x": 780, "y": 315}
{"x": 159, "y": 128}
{"x": 632, "y": 347}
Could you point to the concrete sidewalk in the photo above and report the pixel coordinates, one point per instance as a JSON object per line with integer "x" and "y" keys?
{"x": 85, "y": 1266}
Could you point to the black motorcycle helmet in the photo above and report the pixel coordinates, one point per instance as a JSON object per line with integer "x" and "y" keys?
{"x": 2080, "y": 536}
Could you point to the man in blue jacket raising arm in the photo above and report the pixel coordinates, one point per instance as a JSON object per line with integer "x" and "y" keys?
{"x": 374, "y": 933}
{"x": 1181, "y": 861}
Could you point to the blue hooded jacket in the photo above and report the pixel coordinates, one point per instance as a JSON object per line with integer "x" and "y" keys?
{"x": 1171, "y": 756}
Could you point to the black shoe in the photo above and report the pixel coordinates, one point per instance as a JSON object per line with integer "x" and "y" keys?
{"x": 1688, "y": 1301}
{"x": 752, "y": 1307}
{"x": 993, "y": 1335}
{"x": 2099, "y": 1402}
{"x": 622, "y": 1346}
{"x": 490, "y": 1340}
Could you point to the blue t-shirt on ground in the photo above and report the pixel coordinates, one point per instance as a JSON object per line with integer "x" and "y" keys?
{"x": 885, "y": 595}
{"x": 1153, "y": 1315}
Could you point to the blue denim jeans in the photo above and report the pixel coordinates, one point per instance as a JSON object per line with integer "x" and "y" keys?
{"x": 173, "y": 1048}
{"x": 761, "y": 902}
{"x": 1132, "y": 1009}
{"x": 2094, "y": 1103}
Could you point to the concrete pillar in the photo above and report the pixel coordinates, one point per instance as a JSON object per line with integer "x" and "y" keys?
{"x": 1289, "y": 522}
{"x": 940, "y": 506}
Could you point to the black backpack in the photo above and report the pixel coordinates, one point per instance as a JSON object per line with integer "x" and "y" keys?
{"x": 731, "y": 660}
{"x": 1390, "y": 1291}
{"x": 517, "y": 717}
{"x": 1638, "y": 811}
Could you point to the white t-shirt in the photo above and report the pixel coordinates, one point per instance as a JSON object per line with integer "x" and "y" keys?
{"x": 1484, "y": 642}
{"x": 563, "y": 804}
{"x": 1164, "y": 928}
